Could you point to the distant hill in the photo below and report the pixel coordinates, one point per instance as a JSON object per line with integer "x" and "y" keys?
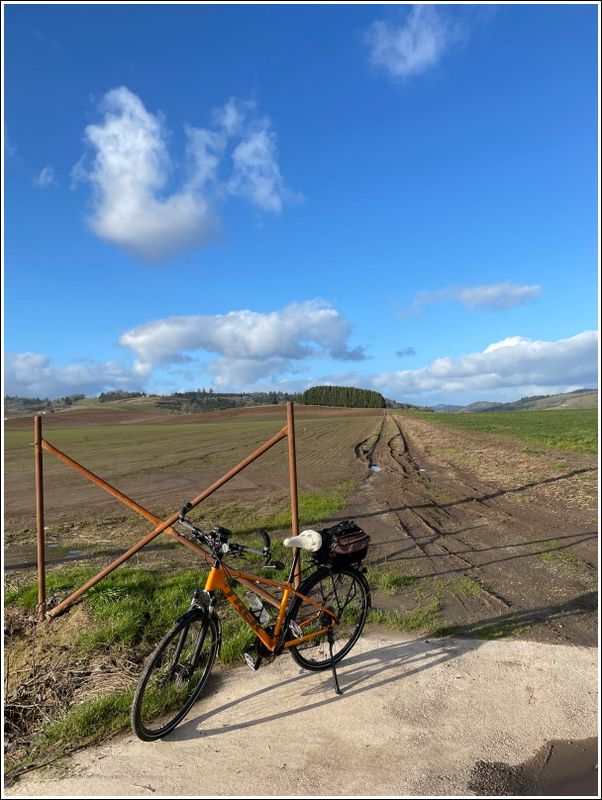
{"x": 203, "y": 401}
{"x": 580, "y": 398}
{"x": 178, "y": 403}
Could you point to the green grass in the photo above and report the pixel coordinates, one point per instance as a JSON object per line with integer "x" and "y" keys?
{"x": 563, "y": 558}
{"x": 569, "y": 429}
{"x": 108, "y": 713}
{"x": 463, "y": 586}
{"x": 315, "y": 507}
{"x": 423, "y": 618}
{"x": 132, "y": 608}
{"x": 499, "y": 630}
{"x": 389, "y": 582}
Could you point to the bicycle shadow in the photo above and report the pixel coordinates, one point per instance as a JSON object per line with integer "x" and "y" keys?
{"x": 358, "y": 674}
{"x": 361, "y": 672}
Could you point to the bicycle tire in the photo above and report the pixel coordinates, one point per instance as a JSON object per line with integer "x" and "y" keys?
{"x": 343, "y": 590}
{"x": 166, "y": 691}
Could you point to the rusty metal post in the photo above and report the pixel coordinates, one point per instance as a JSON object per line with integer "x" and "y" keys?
{"x": 292, "y": 475}
{"x": 40, "y": 539}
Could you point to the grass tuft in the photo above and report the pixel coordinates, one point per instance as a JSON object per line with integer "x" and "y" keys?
{"x": 422, "y": 618}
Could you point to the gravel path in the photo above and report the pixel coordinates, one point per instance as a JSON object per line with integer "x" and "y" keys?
{"x": 416, "y": 716}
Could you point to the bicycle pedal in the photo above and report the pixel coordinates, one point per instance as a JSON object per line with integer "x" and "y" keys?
{"x": 252, "y": 663}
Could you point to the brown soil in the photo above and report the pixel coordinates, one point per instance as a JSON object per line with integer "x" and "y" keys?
{"x": 564, "y": 768}
{"x": 459, "y": 505}
{"x": 158, "y": 462}
{"x": 461, "y": 510}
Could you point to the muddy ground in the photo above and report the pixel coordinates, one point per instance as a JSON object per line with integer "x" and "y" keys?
{"x": 506, "y": 537}
{"x": 448, "y": 503}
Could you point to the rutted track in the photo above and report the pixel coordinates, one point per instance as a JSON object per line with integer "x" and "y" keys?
{"x": 432, "y": 542}
{"x": 475, "y": 531}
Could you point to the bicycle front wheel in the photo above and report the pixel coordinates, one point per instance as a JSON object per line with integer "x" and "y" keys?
{"x": 174, "y": 676}
{"x": 345, "y": 592}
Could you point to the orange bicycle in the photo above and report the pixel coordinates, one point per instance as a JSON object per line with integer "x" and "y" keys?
{"x": 318, "y": 621}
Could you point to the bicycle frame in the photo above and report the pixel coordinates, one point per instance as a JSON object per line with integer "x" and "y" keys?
{"x": 217, "y": 580}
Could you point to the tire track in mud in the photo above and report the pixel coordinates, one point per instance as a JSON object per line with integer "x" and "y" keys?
{"x": 479, "y": 503}
{"x": 442, "y": 522}
{"x": 485, "y": 497}
{"x": 364, "y": 453}
{"x": 396, "y": 459}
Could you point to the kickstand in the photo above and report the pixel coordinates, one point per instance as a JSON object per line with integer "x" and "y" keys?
{"x": 334, "y": 670}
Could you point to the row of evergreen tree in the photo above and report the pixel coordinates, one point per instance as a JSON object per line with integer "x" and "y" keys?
{"x": 347, "y": 396}
{"x": 118, "y": 394}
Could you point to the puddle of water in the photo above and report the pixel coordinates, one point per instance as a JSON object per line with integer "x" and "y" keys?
{"x": 375, "y": 468}
{"x": 421, "y": 469}
{"x": 566, "y": 768}
{"x": 23, "y": 556}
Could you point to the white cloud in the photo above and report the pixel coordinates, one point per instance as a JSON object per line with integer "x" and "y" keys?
{"x": 244, "y": 372}
{"x": 414, "y": 46}
{"x": 45, "y": 178}
{"x": 250, "y": 344}
{"x": 256, "y": 172}
{"x": 129, "y": 170}
{"x": 130, "y": 167}
{"x": 498, "y": 296}
{"x": 232, "y": 116}
{"x": 492, "y": 297}
{"x": 205, "y": 149}
{"x": 511, "y": 363}
{"x": 35, "y": 375}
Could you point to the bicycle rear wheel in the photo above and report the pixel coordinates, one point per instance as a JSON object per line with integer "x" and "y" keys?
{"x": 174, "y": 676}
{"x": 346, "y": 593}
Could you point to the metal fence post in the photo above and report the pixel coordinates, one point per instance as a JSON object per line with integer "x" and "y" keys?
{"x": 292, "y": 473}
{"x": 41, "y": 546}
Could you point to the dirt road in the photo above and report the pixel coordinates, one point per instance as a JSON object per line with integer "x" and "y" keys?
{"x": 418, "y": 716}
{"x": 522, "y": 528}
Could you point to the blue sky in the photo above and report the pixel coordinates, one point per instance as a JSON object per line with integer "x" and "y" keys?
{"x": 399, "y": 197}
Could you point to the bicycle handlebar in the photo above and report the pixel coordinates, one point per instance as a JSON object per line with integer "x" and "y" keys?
{"x": 184, "y": 510}
{"x": 217, "y": 539}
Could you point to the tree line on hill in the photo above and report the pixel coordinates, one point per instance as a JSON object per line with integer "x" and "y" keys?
{"x": 118, "y": 394}
{"x": 39, "y": 405}
{"x": 203, "y": 400}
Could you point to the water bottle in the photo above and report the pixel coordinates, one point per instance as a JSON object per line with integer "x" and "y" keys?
{"x": 258, "y": 609}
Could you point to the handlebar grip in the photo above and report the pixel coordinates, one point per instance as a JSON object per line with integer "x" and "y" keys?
{"x": 185, "y": 509}
{"x": 266, "y": 539}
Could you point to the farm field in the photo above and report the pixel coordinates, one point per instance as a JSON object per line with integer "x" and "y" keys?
{"x": 571, "y": 429}
{"x": 474, "y": 529}
{"x": 163, "y": 460}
